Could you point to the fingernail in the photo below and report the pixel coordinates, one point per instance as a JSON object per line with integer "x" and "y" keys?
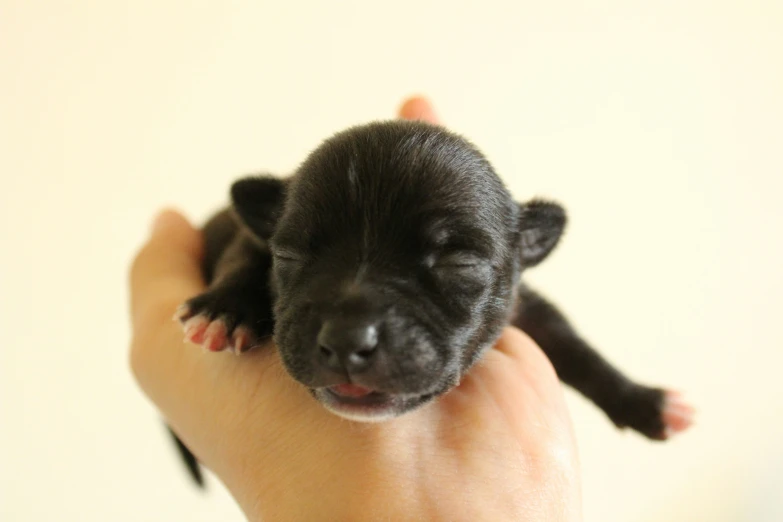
{"x": 166, "y": 219}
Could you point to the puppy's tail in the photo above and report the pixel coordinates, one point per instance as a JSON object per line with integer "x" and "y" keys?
{"x": 189, "y": 459}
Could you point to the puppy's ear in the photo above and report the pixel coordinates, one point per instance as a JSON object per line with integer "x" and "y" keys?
{"x": 541, "y": 224}
{"x": 259, "y": 201}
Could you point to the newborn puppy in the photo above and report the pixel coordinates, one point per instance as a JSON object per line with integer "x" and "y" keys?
{"x": 384, "y": 267}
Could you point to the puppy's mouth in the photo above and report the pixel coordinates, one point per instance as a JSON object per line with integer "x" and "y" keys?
{"x": 365, "y": 404}
{"x": 352, "y": 392}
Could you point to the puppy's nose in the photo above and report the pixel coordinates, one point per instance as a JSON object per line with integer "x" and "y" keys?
{"x": 347, "y": 346}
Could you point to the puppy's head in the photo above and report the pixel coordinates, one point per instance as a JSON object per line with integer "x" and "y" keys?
{"x": 397, "y": 250}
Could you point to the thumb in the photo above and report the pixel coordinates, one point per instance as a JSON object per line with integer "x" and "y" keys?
{"x": 418, "y": 108}
{"x": 167, "y": 270}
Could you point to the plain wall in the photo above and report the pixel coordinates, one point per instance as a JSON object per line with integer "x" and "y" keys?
{"x": 657, "y": 124}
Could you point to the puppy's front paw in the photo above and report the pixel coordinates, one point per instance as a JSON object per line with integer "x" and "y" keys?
{"x": 656, "y": 413}
{"x": 221, "y": 320}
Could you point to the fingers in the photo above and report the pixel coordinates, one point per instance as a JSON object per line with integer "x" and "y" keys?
{"x": 167, "y": 269}
{"x": 418, "y": 108}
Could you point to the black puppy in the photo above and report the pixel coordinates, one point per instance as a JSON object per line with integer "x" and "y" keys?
{"x": 385, "y": 267}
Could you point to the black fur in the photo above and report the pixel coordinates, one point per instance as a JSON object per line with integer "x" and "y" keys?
{"x": 391, "y": 260}
{"x": 189, "y": 459}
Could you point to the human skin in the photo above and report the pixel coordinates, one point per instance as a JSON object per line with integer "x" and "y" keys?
{"x": 500, "y": 446}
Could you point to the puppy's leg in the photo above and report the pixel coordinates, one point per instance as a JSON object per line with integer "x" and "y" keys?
{"x": 654, "y": 412}
{"x": 236, "y": 310}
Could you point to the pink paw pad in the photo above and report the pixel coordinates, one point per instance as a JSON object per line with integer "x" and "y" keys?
{"x": 677, "y": 414}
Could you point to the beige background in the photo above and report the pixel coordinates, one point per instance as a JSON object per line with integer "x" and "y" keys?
{"x": 658, "y": 124}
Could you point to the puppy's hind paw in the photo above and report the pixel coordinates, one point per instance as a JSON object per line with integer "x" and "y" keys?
{"x": 676, "y": 413}
{"x": 656, "y": 413}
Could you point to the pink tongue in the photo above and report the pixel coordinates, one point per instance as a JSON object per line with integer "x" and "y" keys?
{"x": 351, "y": 390}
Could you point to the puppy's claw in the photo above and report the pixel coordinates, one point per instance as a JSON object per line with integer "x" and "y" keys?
{"x": 215, "y": 337}
{"x": 194, "y": 328}
{"x": 241, "y": 340}
{"x": 677, "y": 414}
{"x": 183, "y": 312}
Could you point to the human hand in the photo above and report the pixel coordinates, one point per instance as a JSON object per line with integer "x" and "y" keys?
{"x": 500, "y": 446}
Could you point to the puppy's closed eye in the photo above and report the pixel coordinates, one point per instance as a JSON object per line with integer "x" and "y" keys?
{"x": 286, "y": 254}
{"x": 459, "y": 260}
{"x": 466, "y": 269}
